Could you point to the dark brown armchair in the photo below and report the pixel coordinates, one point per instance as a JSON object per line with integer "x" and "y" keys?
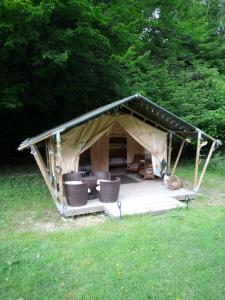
{"x": 76, "y": 193}
{"x": 109, "y": 190}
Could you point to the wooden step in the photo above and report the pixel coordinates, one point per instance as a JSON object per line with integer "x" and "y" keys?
{"x": 132, "y": 207}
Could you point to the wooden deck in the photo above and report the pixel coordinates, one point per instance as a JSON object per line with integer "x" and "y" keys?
{"x": 148, "y": 196}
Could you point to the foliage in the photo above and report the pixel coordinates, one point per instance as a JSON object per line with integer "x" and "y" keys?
{"x": 173, "y": 65}
{"x": 59, "y": 59}
{"x": 217, "y": 163}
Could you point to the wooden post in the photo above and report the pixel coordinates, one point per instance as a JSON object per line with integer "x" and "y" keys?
{"x": 59, "y": 166}
{"x": 205, "y": 166}
{"x": 198, "y": 149}
{"x": 42, "y": 167}
{"x": 178, "y": 157}
{"x": 170, "y": 152}
{"x": 47, "y": 147}
{"x": 53, "y": 164}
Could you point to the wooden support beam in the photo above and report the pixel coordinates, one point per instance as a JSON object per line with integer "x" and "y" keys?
{"x": 169, "y": 152}
{"x": 59, "y": 166}
{"x": 198, "y": 149}
{"x": 178, "y": 157}
{"x": 205, "y": 166}
{"x": 53, "y": 163}
{"x": 42, "y": 167}
{"x": 186, "y": 131}
{"x": 47, "y": 156}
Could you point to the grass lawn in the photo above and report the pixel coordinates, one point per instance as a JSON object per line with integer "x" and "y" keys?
{"x": 177, "y": 255}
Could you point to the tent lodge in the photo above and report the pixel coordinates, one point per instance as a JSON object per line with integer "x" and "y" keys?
{"x": 114, "y": 138}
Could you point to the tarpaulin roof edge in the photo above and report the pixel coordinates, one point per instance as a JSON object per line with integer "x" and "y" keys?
{"x": 96, "y": 112}
{"x": 176, "y": 117}
{"x": 75, "y": 122}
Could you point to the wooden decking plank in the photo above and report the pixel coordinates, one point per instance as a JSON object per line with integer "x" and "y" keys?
{"x": 144, "y": 197}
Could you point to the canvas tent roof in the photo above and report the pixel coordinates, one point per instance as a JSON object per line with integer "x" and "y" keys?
{"x": 137, "y": 105}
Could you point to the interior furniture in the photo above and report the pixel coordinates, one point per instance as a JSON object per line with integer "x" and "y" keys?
{"x": 92, "y": 183}
{"x": 76, "y": 193}
{"x": 146, "y": 170}
{"x": 102, "y": 175}
{"x": 85, "y": 163}
{"x": 135, "y": 165}
{"x": 109, "y": 190}
{"x": 84, "y": 173}
{"x": 117, "y": 151}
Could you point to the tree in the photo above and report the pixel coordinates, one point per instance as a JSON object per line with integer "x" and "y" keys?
{"x": 59, "y": 59}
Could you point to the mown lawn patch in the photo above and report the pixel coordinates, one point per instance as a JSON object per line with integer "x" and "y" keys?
{"x": 177, "y": 255}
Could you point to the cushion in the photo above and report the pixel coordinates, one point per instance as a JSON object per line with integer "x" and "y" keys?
{"x": 99, "y": 180}
{"x": 73, "y": 182}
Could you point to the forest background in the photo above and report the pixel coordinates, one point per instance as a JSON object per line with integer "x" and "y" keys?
{"x": 62, "y": 58}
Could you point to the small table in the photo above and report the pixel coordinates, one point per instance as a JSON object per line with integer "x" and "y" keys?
{"x": 84, "y": 173}
{"x": 92, "y": 183}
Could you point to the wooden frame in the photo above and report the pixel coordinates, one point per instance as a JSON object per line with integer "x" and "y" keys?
{"x": 178, "y": 157}
{"x": 43, "y": 169}
{"x": 47, "y": 156}
{"x": 53, "y": 175}
{"x": 59, "y": 167}
{"x": 196, "y": 189}
{"x": 169, "y": 152}
{"x": 52, "y": 164}
{"x": 198, "y": 149}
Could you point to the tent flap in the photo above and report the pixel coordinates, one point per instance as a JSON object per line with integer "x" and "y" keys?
{"x": 79, "y": 139}
{"x": 100, "y": 154}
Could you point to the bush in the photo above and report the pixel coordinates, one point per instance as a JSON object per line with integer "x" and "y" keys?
{"x": 217, "y": 162}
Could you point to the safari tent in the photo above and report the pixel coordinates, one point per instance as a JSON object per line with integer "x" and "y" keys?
{"x": 111, "y": 136}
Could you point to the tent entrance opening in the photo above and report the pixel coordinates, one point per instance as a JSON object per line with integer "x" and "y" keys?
{"x": 117, "y": 153}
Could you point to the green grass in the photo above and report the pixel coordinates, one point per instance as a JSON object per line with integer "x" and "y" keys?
{"x": 178, "y": 255}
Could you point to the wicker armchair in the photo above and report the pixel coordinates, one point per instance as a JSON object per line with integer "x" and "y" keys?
{"x": 76, "y": 194}
{"x": 109, "y": 190}
{"x": 71, "y": 176}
